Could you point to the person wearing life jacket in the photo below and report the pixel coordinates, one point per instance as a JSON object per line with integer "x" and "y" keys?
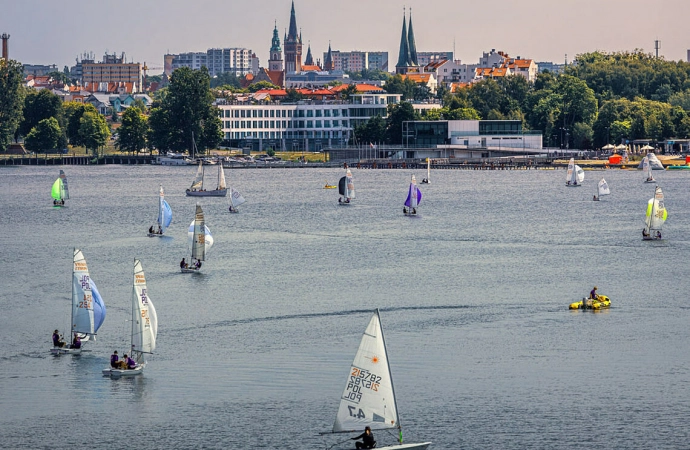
{"x": 114, "y": 360}
{"x": 76, "y": 341}
{"x": 367, "y": 439}
{"x": 593, "y": 294}
{"x": 131, "y": 364}
{"x": 57, "y": 341}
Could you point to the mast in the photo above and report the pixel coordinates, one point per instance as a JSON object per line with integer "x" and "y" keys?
{"x": 395, "y": 400}
{"x": 134, "y": 294}
{"x": 71, "y": 321}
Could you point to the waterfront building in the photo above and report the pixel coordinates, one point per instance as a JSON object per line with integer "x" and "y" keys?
{"x": 305, "y": 125}
{"x": 293, "y": 45}
{"x": 239, "y": 61}
{"x": 112, "y": 69}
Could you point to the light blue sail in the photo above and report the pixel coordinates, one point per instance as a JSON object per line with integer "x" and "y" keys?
{"x": 98, "y": 307}
{"x": 167, "y": 215}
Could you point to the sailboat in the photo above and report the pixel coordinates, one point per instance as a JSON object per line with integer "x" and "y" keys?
{"x": 575, "y": 175}
{"x": 88, "y": 309}
{"x": 369, "y": 395}
{"x": 144, "y": 326}
{"x": 647, "y": 170}
{"x": 60, "y": 190}
{"x": 201, "y": 241}
{"x": 655, "y": 217}
{"x": 236, "y": 200}
{"x": 197, "y": 187}
{"x": 164, "y": 216}
{"x": 427, "y": 180}
{"x": 602, "y": 189}
{"x": 414, "y": 198}
{"x": 346, "y": 188}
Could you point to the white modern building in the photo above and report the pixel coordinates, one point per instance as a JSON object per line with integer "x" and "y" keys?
{"x": 239, "y": 61}
{"x": 305, "y": 125}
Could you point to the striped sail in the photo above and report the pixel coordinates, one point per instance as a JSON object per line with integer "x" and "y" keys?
{"x": 144, "y": 318}
{"x": 82, "y": 297}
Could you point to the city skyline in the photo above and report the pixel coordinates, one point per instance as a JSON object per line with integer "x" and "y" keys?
{"x": 532, "y": 29}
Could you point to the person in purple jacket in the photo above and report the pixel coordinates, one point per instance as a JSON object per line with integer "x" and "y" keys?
{"x": 131, "y": 364}
{"x": 114, "y": 360}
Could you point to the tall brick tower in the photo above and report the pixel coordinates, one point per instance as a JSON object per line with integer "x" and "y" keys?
{"x": 5, "y": 51}
{"x": 293, "y": 45}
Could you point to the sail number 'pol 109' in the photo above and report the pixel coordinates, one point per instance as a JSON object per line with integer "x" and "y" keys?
{"x": 360, "y": 379}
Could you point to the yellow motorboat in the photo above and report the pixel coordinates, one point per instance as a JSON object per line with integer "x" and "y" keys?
{"x": 601, "y": 302}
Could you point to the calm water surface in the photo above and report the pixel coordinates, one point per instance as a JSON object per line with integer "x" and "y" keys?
{"x": 254, "y": 352}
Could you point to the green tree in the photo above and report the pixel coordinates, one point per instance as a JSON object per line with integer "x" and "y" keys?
{"x": 140, "y": 105}
{"x": 62, "y": 77}
{"x": 398, "y": 85}
{"x": 39, "y": 105}
{"x": 12, "y": 94}
{"x": 73, "y": 112}
{"x": 372, "y": 131}
{"x": 186, "y": 110}
{"x": 258, "y": 86}
{"x": 94, "y": 131}
{"x": 44, "y": 136}
{"x": 226, "y": 79}
{"x": 582, "y": 135}
{"x": 293, "y": 96}
{"x": 348, "y": 92}
{"x": 133, "y": 131}
{"x": 397, "y": 114}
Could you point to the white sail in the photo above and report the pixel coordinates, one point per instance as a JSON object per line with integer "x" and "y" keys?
{"x": 428, "y": 170}
{"x": 570, "y": 175}
{"x": 349, "y": 185}
{"x": 656, "y": 211}
{"x": 144, "y": 319}
{"x": 603, "y": 188}
{"x": 221, "y": 176}
{"x": 64, "y": 188}
{"x": 580, "y": 174}
{"x": 198, "y": 182}
{"x": 647, "y": 169}
{"x": 236, "y": 198}
{"x": 368, "y": 398}
{"x": 82, "y": 298}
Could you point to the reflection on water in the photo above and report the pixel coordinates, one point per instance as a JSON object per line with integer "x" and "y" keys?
{"x": 254, "y": 351}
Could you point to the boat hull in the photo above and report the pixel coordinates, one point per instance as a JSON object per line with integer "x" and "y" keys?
{"x": 189, "y": 270}
{"x": 110, "y": 372}
{"x": 154, "y": 235}
{"x": 603, "y": 303}
{"x": 329, "y": 186}
{"x": 214, "y": 193}
{"x": 65, "y": 351}
{"x": 650, "y": 181}
{"x": 420, "y": 446}
{"x": 651, "y": 238}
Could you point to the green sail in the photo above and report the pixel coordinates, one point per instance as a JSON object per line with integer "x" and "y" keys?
{"x": 56, "y": 189}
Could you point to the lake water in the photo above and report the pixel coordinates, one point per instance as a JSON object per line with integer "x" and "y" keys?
{"x": 254, "y": 351}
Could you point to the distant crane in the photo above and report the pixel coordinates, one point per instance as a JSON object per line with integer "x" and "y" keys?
{"x": 145, "y": 68}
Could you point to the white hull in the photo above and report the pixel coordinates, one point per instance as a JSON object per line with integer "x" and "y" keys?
{"x": 420, "y": 446}
{"x": 213, "y": 193}
{"x": 154, "y": 235}
{"x": 650, "y": 181}
{"x": 65, "y": 351}
{"x": 650, "y": 238}
{"x": 190, "y": 270}
{"x": 167, "y": 161}
{"x": 110, "y": 372}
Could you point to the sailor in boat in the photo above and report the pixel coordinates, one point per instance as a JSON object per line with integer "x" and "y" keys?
{"x": 367, "y": 439}
{"x": 567, "y": 183}
{"x": 197, "y": 265}
{"x": 130, "y": 363}
{"x": 183, "y": 264}
{"x": 649, "y": 178}
{"x": 593, "y": 294}
{"x": 644, "y": 233}
{"x": 114, "y": 360}
{"x": 57, "y": 339}
{"x": 658, "y": 234}
{"x": 76, "y": 342}
{"x": 160, "y": 230}
{"x": 151, "y": 229}
{"x": 231, "y": 209}
{"x": 595, "y": 198}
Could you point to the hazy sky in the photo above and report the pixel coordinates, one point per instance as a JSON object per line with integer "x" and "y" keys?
{"x": 44, "y": 32}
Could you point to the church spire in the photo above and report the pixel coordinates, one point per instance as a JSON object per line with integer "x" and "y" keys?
{"x": 404, "y": 53}
{"x": 309, "y": 61}
{"x": 411, "y": 44}
{"x": 275, "y": 42}
{"x": 292, "y": 33}
{"x": 328, "y": 62}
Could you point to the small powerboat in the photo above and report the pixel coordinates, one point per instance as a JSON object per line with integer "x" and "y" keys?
{"x": 602, "y": 302}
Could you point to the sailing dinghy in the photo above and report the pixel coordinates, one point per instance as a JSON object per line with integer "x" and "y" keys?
{"x": 602, "y": 189}
{"x": 197, "y": 187}
{"x": 575, "y": 175}
{"x": 647, "y": 170}
{"x": 414, "y": 197}
{"x": 88, "y": 309}
{"x": 60, "y": 190}
{"x": 655, "y": 217}
{"x": 164, "y": 216}
{"x": 346, "y": 188}
{"x": 369, "y": 396}
{"x": 236, "y": 200}
{"x": 144, "y": 326}
{"x": 427, "y": 180}
{"x": 200, "y": 240}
